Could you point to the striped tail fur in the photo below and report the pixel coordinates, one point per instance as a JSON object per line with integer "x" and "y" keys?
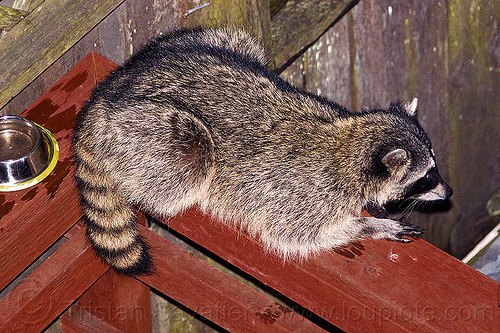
{"x": 110, "y": 219}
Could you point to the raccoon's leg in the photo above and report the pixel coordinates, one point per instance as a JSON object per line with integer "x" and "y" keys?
{"x": 110, "y": 219}
{"x": 380, "y": 228}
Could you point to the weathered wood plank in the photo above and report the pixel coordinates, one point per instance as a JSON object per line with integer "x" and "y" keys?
{"x": 324, "y": 67}
{"x": 252, "y": 15}
{"x": 474, "y": 104}
{"x": 373, "y": 286}
{"x": 9, "y": 17}
{"x": 46, "y": 33}
{"x": 52, "y": 287}
{"x": 215, "y": 295}
{"x": 299, "y": 24}
{"x": 41, "y": 214}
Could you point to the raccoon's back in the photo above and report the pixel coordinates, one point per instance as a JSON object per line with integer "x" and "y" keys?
{"x": 154, "y": 131}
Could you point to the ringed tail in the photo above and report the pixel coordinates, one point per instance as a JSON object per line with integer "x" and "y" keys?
{"x": 110, "y": 220}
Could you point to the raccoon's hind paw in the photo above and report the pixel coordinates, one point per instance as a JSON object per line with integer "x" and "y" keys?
{"x": 409, "y": 230}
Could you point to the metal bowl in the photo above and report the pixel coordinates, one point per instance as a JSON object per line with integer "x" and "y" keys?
{"x": 27, "y": 151}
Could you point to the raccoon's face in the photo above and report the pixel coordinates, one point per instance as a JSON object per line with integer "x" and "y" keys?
{"x": 407, "y": 165}
{"x": 429, "y": 186}
{"x": 412, "y": 175}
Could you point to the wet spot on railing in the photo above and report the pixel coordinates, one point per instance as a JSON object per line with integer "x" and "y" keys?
{"x": 30, "y": 195}
{"x": 271, "y": 313}
{"x": 55, "y": 179}
{"x": 75, "y": 81}
{"x": 351, "y": 250}
{"x": 5, "y": 207}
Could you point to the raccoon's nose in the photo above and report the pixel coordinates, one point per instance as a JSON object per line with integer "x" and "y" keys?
{"x": 448, "y": 191}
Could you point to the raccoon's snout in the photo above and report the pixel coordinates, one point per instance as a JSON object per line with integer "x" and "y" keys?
{"x": 442, "y": 191}
{"x": 448, "y": 191}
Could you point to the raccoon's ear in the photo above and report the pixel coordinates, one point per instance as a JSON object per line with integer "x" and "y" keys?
{"x": 411, "y": 107}
{"x": 395, "y": 158}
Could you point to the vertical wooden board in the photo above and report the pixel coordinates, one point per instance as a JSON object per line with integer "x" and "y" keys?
{"x": 426, "y": 47}
{"x": 379, "y": 53}
{"x": 252, "y": 15}
{"x": 142, "y": 20}
{"x": 474, "y": 86}
{"x": 106, "y": 38}
{"x": 324, "y": 68}
{"x": 118, "y": 300}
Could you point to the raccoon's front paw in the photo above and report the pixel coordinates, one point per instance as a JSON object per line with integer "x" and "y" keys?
{"x": 408, "y": 230}
{"x": 375, "y": 228}
{"x": 376, "y": 210}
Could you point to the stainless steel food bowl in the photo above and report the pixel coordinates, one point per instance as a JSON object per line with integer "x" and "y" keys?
{"x": 27, "y": 153}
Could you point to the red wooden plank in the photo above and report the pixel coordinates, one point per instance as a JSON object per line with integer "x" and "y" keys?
{"x": 79, "y": 320}
{"x": 373, "y": 286}
{"x": 115, "y": 301}
{"x": 33, "y": 219}
{"x": 52, "y": 287}
{"x": 103, "y": 66}
{"x": 215, "y": 295}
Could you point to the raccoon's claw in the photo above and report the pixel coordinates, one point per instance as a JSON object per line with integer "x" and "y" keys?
{"x": 409, "y": 230}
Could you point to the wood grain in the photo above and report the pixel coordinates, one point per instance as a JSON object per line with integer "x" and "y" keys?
{"x": 31, "y": 220}
{"x": 215, "y": 295}
{"x": 52, "y": 287}
{"x": 42, "y": 37}
{"x": 371, "y": 286}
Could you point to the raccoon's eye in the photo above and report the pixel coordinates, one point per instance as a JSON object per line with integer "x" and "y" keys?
{"x": 424, "y": 184}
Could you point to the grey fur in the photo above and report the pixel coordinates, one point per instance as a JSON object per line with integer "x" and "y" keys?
{"x": 195, "y": 118}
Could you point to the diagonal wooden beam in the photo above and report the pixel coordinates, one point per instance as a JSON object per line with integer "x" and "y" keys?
{"x": 215, "y": 295}
{"x": 370, "y": 286}
{"x": 42, "y": 37}
{"x": 298, "y": 24}
{"x": 52, "y": 287}
{"x": 9, "y": 17}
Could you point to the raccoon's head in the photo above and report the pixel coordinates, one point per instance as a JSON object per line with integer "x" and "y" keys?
{"x": 402, "y": 159}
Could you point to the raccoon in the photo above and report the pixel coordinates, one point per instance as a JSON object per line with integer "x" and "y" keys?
{"x": 196, "y": 118}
